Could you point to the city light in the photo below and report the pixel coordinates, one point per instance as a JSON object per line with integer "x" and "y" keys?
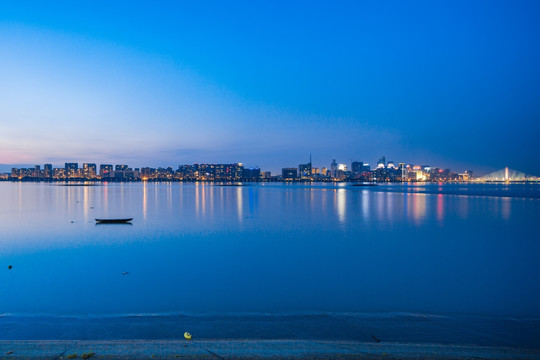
{"x": 358, "y": 172}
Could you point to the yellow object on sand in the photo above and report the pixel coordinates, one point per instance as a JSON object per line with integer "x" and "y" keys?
{"x": 187, "y": 335}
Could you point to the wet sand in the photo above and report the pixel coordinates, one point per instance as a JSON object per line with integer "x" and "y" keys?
{"x": 251, "y": 349}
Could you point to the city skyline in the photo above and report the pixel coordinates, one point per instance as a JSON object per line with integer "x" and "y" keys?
{"x": 349, "y": 164}
{"x": 438, "y": 83}
{"x": 382, "y": 171}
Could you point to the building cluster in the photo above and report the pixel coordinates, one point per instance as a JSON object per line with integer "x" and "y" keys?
{"x": 358, "y": 171}
{"x": 72, "y": 171}
{"x": 108, "y": 172}
{"x": 383, "y": 172}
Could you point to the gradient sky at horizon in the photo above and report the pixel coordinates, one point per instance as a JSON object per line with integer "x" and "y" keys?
{"x": 448, "y": 83}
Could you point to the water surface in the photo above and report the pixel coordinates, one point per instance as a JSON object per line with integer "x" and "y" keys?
{"x": 450, "y": 251}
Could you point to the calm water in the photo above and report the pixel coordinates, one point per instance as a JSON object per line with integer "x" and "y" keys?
{"x": 464, "y": 257}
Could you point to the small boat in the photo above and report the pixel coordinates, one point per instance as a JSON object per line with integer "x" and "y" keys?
{"x": 113, "y": 221}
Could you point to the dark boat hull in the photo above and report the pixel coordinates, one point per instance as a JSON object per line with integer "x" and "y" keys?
{"x": 113, "y": 221}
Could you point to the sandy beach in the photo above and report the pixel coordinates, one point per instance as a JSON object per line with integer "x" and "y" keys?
{"x": 250, "y": 349}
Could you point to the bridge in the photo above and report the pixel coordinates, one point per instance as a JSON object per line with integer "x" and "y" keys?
{"x": 507, "y": 174}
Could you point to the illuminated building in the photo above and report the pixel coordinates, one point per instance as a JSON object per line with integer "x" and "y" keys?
{"x": 340, "y": 174}
{"x": 105, "y": 170}
{"x": 404, "y": 171}
{"x": 236, "y": 172}
{"x": 305, "y": 169}
{"x": 128, "y": 174}
{"x": 71, "y": 170}
{"x": 89, "y": 170}
{"x": 418, "y": 173}
{"x": 47, "y": 170}
{"x": 381, "y": 163}
{"x": 211, "y": 172}
{"x": 59, "y": 173}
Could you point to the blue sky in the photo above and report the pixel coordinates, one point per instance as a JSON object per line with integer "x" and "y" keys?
{"x": 453, "y": 84}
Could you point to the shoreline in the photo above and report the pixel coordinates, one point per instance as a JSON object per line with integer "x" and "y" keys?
{"x": 249, "y": 349}
{"x": 388, "y": 328}
{"x": 89, "y": 181}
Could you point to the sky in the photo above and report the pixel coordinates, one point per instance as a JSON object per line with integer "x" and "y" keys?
{"x": 454, "y": 84}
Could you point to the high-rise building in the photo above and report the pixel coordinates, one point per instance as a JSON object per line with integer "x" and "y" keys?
{"x": 47, "y": 170}
{"x": 305, "y": 169}
{"x": 357, "y": 167}
{"x": 289, "y": 173}
{"x": 121, "y": 168}
{"x": 89, "y": 170}
{"x": 105, "y": 170}
{"x": 382, "y": 162}
{"x": 333, "y": 168}
{"x": 252, "y": 174}
{"x": 404, "y": 171}
{"x": 71, "y": 170}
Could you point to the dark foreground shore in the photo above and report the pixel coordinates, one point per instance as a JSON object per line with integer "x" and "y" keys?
{"x": 250, "y": 349}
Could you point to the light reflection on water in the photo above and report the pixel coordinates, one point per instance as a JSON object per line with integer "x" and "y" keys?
{"x": 240, "y": 203}
{"x": 266, "y": 248}
{"x": 505, "y": 205}
{"x": 208, "y": 201}
{"x": 341, "y": 204}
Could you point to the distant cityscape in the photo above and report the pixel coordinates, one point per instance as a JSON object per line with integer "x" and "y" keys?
{"x": 358, "y": 171}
